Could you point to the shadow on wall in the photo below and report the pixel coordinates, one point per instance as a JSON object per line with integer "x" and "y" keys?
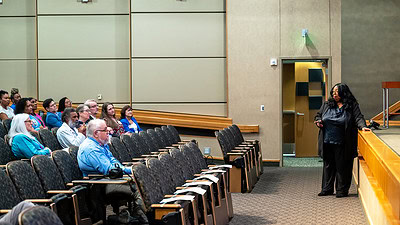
{"x": 311, "y": 47}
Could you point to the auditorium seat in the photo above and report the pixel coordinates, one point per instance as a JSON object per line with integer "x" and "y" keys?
{"x": 6, "y": 155}
{"x": 131, "y": 146}
{"x": 172, "y": 213}
{"x": 256, "y": 143}
{"x": 7, "y": 124}
{"x": 36, "y": 135}
{"x": 3, "y": 131}
{"x": 49, "y": 140}
{"x": 53, "y": 183}
{"x": 29, "y": 187}
{"x": 39, "y": 215}
{"x": 8, "y": 193}
{"x": 238, "y": 177}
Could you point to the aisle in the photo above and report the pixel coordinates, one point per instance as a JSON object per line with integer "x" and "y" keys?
{"x": 289, "y": 196}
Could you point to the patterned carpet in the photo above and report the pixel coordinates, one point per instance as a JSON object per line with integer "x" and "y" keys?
{"x": 287, "y": 195}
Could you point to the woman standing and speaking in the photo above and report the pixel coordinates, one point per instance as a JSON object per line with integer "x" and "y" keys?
{"x": 338, "y": 119}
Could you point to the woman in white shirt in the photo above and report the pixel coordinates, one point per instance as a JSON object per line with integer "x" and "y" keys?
{"x": 6, "y": 112}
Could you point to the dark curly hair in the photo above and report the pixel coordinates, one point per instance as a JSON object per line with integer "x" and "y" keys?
{"x": 347, "y": 98}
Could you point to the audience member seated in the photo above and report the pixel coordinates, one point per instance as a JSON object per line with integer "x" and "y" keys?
{"x": 15, "y": 97}
{"x": 22, "y": 143}
{"x": 6, "y": 112}
{"x": 53, "y": 118}
{"x": 83, "y": 114}
{"x": 64, "y": 103}
{"x": 108, "y": 114}
{"x": 94, "y": 157}
{"x": 25, "y": 106}
{"x": 36, "y": 115}
{"x": 70, "y": 133}
{"x": 93, "y": 108}
{"x": 12, "y": 216}
{"x": 128, "y": 121}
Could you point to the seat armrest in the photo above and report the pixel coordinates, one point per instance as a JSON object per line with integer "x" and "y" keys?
{"x": 235, "y": 153}
{"x": 39, "y": 200}
{"x": 174, "y": 206}
{"x": 101, "y": 181}
{"x": 4, "y": 211}
{"x": 60, "y": 192}
{"x": 95, "y": 176}
{"x": 238, "y": 150}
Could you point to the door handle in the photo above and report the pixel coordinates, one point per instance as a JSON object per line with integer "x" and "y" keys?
{"x": 300, "y": 114}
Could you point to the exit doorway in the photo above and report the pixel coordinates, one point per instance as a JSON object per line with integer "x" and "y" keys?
{"x": 305, "y": 86}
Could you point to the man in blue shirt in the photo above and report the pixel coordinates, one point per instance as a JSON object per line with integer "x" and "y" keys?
{"x": 94, "y": 157}
{"x": 94, "y": 154}
{"x": 53, "y": 118}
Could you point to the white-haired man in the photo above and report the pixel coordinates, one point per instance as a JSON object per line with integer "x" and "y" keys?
{"x": 94, "y": 157}
{"x": 93, "y": 107}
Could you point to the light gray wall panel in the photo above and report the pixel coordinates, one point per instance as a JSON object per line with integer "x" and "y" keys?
{"x": 17, "y": 8}
{"x": 77, "y": 7}
{"x": 84, "y": 79}
{"x": 217, "y": 109}
{"x": 84, "y": 36}
{"x": 20, "y": 74}
{"x": 370, "y": 50}
{"x": 17, "y": 38}
{"x": 306, "y": 14}
{"x": 177, "y": 6}
{"x": 182, "y": 34}
{"x": 178, "y": 80}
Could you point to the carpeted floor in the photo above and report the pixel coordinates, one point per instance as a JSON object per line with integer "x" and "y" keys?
{"x": 288, "y": 195}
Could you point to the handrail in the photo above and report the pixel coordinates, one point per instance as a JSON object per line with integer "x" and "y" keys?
{"x": 181, "y": 120}
{"x": 392, "y": 109}
{"x": 384, "y": 165}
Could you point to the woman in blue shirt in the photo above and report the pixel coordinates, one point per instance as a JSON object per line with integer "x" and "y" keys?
{"x": 23, "y": 144}
{"x": 339, "y": 120}
{"x": 129, "y": 122}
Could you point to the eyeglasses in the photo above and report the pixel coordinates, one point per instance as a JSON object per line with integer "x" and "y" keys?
{"x": 93, "y": 106}
{"x": 105, "y": 130}
{"x": 28, "y": 121}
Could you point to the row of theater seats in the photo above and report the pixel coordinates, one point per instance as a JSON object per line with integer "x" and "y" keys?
{"x": 160, "y": 170}
{"x": 244, "y": 155}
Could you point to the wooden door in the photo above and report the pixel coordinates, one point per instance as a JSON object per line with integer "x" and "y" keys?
{"x": 309, "y": 97}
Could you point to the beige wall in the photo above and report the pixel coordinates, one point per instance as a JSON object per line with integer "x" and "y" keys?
{"x": 260, "y": 30}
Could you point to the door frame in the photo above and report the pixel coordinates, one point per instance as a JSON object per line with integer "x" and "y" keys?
{"x": 305, "y": 59}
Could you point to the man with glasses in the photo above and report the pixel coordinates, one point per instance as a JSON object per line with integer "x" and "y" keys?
{"x": 93, "y": 107}
{"x": 70, "y": 134}
{"x": 53, "y": 118}
{"x": 94, "y": 157}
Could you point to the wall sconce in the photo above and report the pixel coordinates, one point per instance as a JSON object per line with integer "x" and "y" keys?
{"x": 1, "y": 2}
{"x": 304, "y": 34}
{"x": 85, "y": 1}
